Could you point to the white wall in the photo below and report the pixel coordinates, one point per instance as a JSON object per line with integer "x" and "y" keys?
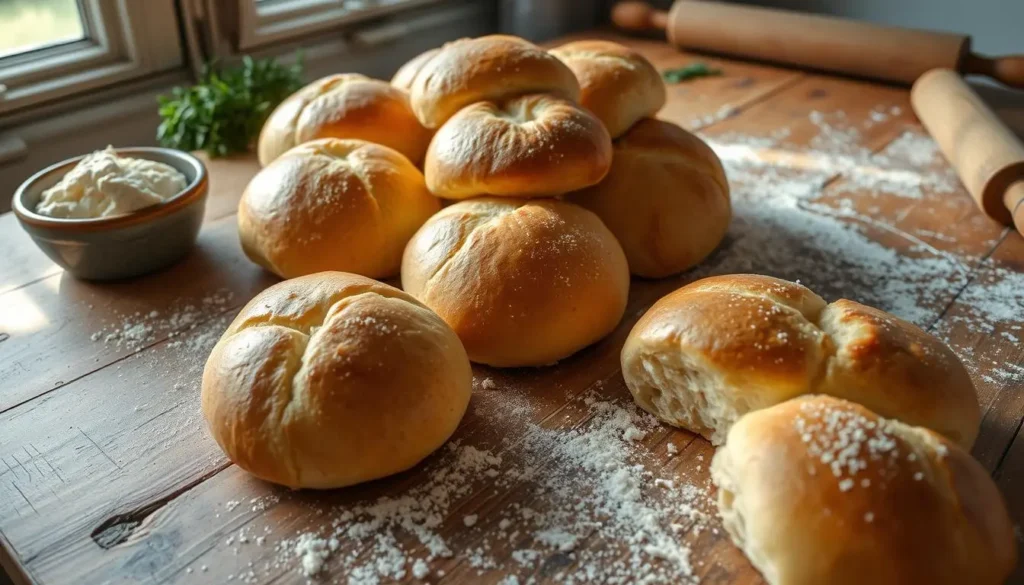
{"x": 996, "y": 25}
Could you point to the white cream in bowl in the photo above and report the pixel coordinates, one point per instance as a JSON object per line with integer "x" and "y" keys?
{"x": 104, "y": 184}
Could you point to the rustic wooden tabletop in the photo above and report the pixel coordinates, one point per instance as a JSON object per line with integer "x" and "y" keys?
{"x": 107, "y": 473}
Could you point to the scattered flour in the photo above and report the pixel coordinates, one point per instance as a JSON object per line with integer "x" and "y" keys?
{"x": 786, "y": 224}
{"x": 313, "y": 552}
{"x": 593, "y": 486}
{"x": 138, "y": 330}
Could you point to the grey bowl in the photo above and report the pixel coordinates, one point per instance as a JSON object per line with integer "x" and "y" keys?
{"x": 123, "y": 246}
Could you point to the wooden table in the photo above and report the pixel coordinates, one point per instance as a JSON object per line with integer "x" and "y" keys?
{"x": 107, "y": 473}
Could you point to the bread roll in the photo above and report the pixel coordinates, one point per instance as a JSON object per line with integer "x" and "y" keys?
{"x": 522, "y": 282}
{"x": 818, "y": 490}
{"x": 491, "y": 68}
{"x": 530, "y": 146}
{"x": 665, "y": 198}
{"x": 333, "y": 379}
{"x": 618, "y": 84}
{"x": 407, "y": 73}
{"x": 706, "y": 354}
{"x": 333, "y": 205}
{"x": 345, "y": 106}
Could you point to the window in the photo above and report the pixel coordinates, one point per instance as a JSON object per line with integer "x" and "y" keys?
{"x": 54, "y": 48}
{"x": 262, "y": 22}
{"x": 28, "y": 25}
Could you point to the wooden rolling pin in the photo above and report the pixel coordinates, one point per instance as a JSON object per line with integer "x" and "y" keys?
{"x": 988, "y": 156}
{"x": 825, "y": 43}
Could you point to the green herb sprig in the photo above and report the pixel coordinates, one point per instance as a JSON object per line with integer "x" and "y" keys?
{"x": 224, "y": 112}
{"x": 691, "y": 71}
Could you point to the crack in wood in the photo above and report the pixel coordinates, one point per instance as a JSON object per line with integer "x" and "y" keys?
{"x": 119, "y": 528}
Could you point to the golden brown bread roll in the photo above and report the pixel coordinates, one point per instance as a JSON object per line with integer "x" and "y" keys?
{"x": 345, "y": 106}
{"x": 530, "y": 146}
{"x": 713, "y": 350}
{"x": 618, "y": 84}
{"x": 333, "y": 205}
{"x": 490, "y": 68}
{"x": 407, "y": 73}
{"x": 522, "y": 282}
{"x": 333, "y": 379}
{"x": 820, "y": 490}
{"x": 665, "y": 198}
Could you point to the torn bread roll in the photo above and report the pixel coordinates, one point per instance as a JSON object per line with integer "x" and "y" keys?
{"x": 490, "y": 68}
{"x": 522, "y": 282}
{"x": 333, "y": 379}
{"x": 530, "y": 146}
{"x": 619, "y": 85}
{"x": 710, "y": 352}
{"x": 348, "y": 106}
{"x": 666, "y": 198}
{"x": 332, "y": 204}
{"x": 820, "y": 490}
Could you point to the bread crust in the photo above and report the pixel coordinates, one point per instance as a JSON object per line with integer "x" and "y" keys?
{"x": 531, "y": 146}
{"x": 619, "y": 85}
{"x": 407, "y": 73}
{"x": 349, "y": 106}
{"x": 489, "y": 68}
{"x": 666, "y": 198}
{"x": 333, "y": 204}
{"x": 820, "y": 490}
{"x": 334, "y": 379}
{"x": 522, "y": 282}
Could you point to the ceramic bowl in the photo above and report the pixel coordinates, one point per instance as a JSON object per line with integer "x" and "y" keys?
{"x": 122, "y": 246}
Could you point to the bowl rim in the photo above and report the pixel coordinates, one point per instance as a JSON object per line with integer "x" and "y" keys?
{"x": 193, "y": 191}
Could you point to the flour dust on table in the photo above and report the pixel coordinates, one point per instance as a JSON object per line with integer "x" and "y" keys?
{"x": 787, "y": 224}
{"x": 594, "y": 502}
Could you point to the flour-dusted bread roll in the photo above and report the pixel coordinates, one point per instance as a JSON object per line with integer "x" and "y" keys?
{"x": 345, "y": 106}
{"x": 665, "y": 198}
{"x": 407, "y": 73}
{"x": 616, "y": 83}
{"x": 334, "y": 205}
{"x": 522, "y": 282}
{"x": 710, "y": 352}
{"x": 530, "y": 146}
{"x": 820, "y": 491}
{"x": 490, "y": 68}
{"x": 333, "y": 379}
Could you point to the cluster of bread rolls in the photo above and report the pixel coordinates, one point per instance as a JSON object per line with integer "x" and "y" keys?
{"x": 524, "y": 279}
{"x": 523, "y": 271}
{"x": 814, "y": 486}
{"x": 551, "y": 214}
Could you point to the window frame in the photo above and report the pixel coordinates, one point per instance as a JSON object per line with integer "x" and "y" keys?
{"x": 124, "y": 39}
{"x": 287, "y": 20}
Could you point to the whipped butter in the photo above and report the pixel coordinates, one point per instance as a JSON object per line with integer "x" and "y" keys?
{"x": 104, "y": 184}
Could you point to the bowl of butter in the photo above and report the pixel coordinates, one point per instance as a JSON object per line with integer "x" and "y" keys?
{"x": 115, "y": 213}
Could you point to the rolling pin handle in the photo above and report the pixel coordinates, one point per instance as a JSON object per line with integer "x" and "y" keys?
{"x": 1007, "y": 70}
{"x": 1014, "y": 200}
{"x": 639, "y": 16}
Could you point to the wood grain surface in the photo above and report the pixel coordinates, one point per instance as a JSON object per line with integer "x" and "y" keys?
{"x": 107, "y": 473}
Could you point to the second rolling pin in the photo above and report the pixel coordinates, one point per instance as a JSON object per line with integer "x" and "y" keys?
{"x": 988, "y": 156}
{"x": 825, "y": 43}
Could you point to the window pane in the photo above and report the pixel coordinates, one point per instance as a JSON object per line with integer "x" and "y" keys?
{"x": 30, "y": 24}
